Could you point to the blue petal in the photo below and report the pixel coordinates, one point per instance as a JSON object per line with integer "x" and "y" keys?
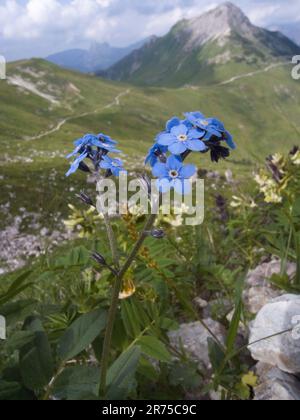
{"x": 105, "y": 165}
{"x": 192, "y": 117}
{"x": 187, "y": 171}
{"x": 160, "y": 170}
{"x": 116, "y": 171}
{"x": 74, "y": 153}
{"x": 172, "y": 123}
{"x": 106, "y": 139}
{"x": 75, "y": 164}
{"x": 179, "y": 129}
{"x": 216, "y": 123}
{"x": 195, "y": 134}
{"x": 165, "y": 139}
{"x": 187, "y": 123}
{"x": 151, "y": 159}
{"x": 72, "y": 170}
{"x": 79, "y": 142}
{"x": 214, "y": 132}
{"x": 163, "y": 185}
{"x": 174, "y": 163}
{"x": 178, "y": 148}
{"x": 196, "y": 145}
{"x": 182, "y": 186}
{"x": 207, "y": 137}
{"x": 229, "y": 140}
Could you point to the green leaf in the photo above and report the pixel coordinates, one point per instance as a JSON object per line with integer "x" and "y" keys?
{"x": 216, "y": 354}
{"x": 147, "y": 370}
{"x": 17, "y": 311}
{"x": 297, "y": 248}
{"x": 19, "y": 281}
{"x": 168, "y": 324}
{"x": 81, "y": 334}
{"x": 154, "y": 348}
{"x": 9, "y": 391}
{"x": 16, "y": 288}
{"x": 12, "y": 389}
{"x": 185, "y": 375}
{"x": 78, "y": 256}
{"x": 234, "y": 328}
{"x": 77, "y": 383}
{"x": 130, "y": 318}
{"x": 18, "y": 340}
{"x": 36, "y": 363}
{"x": 122, "y": 372}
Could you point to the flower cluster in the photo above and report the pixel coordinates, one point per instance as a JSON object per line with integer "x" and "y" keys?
{"x": 195, "y": 133}
{"x": 282, "y": 176}
{"x": 83, "y": 222}
{"x": 95, "y": 149}
{"x": 295, "y": 156}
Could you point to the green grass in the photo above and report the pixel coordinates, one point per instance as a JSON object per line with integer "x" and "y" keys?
{"x": 263, "y": 113}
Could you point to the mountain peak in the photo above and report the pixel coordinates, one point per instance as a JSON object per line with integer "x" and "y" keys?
{"x": 228, "y": 5}
{"x": 231, "y": 13}
{"x": 217, "y": 23}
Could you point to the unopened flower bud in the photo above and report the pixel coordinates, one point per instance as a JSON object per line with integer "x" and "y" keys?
{"x": 85, "y": 199}
{"x": 99, "y": 258}
{"x": 294, "y": 151}
{"x": 158, "y": 233}
{"x": 84, "y": 168}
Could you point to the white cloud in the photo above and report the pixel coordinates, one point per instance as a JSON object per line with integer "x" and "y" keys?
{"x": 28, "y": 27}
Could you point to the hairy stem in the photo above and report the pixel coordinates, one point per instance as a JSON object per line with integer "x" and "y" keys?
{"x": 115, "y": 300}
{"x": 112, "y": 241}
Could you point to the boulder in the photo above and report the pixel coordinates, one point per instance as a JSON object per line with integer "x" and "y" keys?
{"x": 275, "y": 385}
{"x": 194, "y": 339}
{"x": 259, "y": 290}
{"x": 279, "y": 320}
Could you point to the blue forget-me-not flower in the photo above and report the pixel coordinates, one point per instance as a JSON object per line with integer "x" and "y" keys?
{"x": 115, "y": 166}
{"x": 94, "y": 148}
{"x": 173, "y": 175}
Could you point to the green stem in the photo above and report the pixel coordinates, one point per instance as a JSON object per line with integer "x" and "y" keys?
{"x": 112, "y": 241}
{"x": 115, "y": 300}
{"x": 49, "y": 387}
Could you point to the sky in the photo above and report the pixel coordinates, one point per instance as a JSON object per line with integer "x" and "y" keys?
{"x": 37, "y": 28}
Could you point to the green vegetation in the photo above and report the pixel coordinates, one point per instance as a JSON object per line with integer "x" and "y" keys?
{"x": 262, "y": 112}
{"x": 56, "y": 312}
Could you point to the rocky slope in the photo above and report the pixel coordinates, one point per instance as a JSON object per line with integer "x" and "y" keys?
{"x": 219, "y": 44}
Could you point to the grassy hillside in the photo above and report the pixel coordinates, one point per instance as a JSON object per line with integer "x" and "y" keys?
{"x": 262, "y": 111}
{"x": 168, "y": 62}
{"x": 205, "y": 50}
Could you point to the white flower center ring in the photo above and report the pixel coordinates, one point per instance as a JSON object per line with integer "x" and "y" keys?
{"x": 182, "y": 137}
{"x": 173, "y": 174}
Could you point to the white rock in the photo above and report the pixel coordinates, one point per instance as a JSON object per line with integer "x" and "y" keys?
{"x": 276, "y": 385}
{"x": 259, "y": 291}
{"x": 283, "y": 350}
{"x": 229, "y": 176}
{"x": 44, "y": 231}
{"x": 201, "y": 303}
{"x": 193, "y": 337}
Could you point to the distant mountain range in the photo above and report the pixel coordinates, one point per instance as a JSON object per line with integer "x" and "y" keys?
{"x": 292, "y": 30}
{"x": 220, "y": 44}
{"x": 98, "y": 57}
